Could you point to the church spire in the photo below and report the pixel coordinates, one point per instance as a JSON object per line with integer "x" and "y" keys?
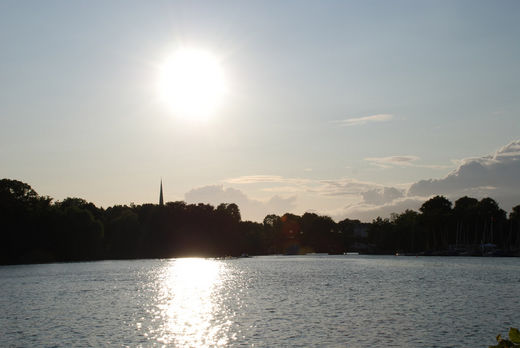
{"x": 161, "y": 201}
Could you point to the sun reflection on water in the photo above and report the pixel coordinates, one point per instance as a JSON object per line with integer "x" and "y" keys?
{"x": 188, "y": 306}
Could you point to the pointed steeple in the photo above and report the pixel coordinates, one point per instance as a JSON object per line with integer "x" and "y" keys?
{"x": 161, "y": 201}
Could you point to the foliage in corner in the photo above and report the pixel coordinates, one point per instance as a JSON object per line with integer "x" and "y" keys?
{"x": 513, "y": 341}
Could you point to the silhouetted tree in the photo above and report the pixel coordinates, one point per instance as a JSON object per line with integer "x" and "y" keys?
{"x": 22, "y": 229}
{"x": 123, "y": 234}
{"x": 319, "y": 234}
{"x": 407, "y": 232}
{"x": 492, "y": 219}
{"x": 380, "y": 235}
{"x": 290, "y": 231}
{"x": 514, "y": 230}
{"x": 273, "y": 233}
{"x": 436, "y": 220}
{"x": 466, "y": 215}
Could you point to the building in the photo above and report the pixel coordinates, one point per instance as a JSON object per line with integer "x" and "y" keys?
{"x": 161, "y": 200}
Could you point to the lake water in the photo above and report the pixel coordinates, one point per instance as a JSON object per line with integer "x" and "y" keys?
{"x": 326, "y": 301}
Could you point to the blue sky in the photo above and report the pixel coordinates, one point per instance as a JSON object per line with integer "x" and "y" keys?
{"x": 334, "y": 107}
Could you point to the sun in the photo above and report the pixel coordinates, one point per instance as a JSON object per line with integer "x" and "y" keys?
{"x": 192, "y": 83}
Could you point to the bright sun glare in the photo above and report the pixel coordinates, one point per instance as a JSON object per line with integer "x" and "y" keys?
{"x": 188, "y": 303}
{"x": 192, "y": 83}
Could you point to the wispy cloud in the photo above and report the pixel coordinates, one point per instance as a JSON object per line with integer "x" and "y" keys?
{"x": 364, "y": 120}
{"x": 343, "y": 187}
{"x": 389, "y": 161}
{"x": 255, "y": 179}
{"x": 259, "y": 179}
{"x": 331, "y": 187}
{"x": 403, "y": 161}
{"x": 284, "y": 189}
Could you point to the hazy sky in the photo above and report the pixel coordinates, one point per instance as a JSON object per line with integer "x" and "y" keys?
{"x": 348, "y": 108}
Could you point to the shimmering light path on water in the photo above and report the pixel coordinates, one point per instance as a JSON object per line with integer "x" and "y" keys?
{"x": 305, "y": 301}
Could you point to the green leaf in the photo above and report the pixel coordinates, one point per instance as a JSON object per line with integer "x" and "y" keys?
{"x": 502, "y": 343}
{"x": 514, "y": 335}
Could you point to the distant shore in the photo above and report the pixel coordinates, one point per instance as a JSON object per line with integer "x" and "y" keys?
{"x": 37, "y": 229}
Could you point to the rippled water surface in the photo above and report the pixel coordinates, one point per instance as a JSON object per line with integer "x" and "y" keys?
{"x": 327, "y": 301}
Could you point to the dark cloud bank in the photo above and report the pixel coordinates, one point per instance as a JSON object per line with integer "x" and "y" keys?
{"x": 496, "y": 176}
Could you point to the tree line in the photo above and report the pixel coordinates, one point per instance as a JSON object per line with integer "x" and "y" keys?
{"x": 35, "y": 229}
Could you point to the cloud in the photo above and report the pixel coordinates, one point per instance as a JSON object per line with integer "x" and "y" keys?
{"x": 250, "y": 209}
{"x": 382, "y": 195}
{"x": 364, "y": 197}
{"x": 254, "y": 179}
{"x": 364, "y": 120}
{"x": 367, "y": 212}
{"x": 258, "y": 179}
{"x": 344, "y": 187}
{"x": 386, "y": 162}
{"x": 367, "y": 193}
{"x": 403, "y": 161}
{"x": 285, "y": 189}
{"x": 494, "y": 175}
